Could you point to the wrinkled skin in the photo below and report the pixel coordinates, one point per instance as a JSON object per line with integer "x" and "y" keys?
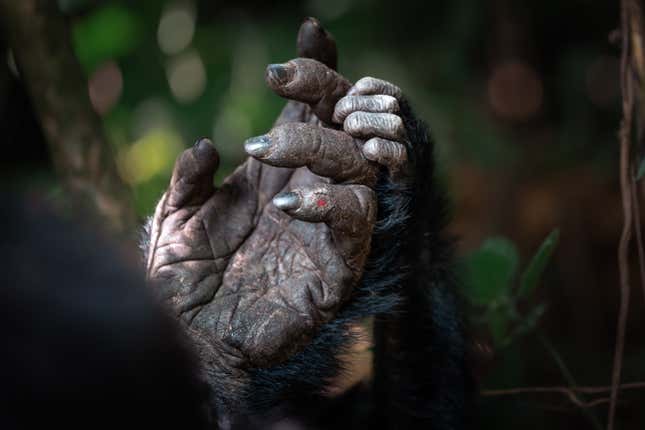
{"x": 255, "y": 266}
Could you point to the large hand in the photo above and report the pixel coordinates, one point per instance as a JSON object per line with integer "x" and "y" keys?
{"x": 254, "y": 273}
{"x": 256, "y": 267}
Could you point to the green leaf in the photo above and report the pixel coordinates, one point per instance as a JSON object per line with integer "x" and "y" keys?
{"x": 489, "y": 271}
{"x": 641, "y": 169}
{"x": 534, "y": 270}
{"x": 109, "y": 32}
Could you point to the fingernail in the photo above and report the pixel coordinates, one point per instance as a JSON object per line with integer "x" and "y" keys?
{"x": 371, "y": 150}
{"x": 203, "y": 145}
{"x": 280, "y": 74}
{"x": 257, "y": 146}
{"x": 287, "y": 201}
{"x": 311, "y": 20}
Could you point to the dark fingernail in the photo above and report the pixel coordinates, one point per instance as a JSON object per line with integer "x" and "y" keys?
{"x": 280, "y": 74}
{"x": 203, "y": 145}
{"x": 257, "y": 146}
{"x": 316, "y": 42}
{"x": 287, "y": 201}
{"x": 311, "y": 20}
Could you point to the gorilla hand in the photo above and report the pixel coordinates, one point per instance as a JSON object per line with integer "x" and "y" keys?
{"x": 255, "y": 267}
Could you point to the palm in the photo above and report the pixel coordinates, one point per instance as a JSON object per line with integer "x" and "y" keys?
{"x": 250, "y": 274}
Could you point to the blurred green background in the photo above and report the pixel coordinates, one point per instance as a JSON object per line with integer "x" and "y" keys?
{"x": 522, "y": 97}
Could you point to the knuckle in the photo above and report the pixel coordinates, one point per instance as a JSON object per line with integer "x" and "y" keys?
{"x": 366, "y": 199}
{"x": 355, "y": 103}
{"x": 401, "y": 154}
{"x": 370, "y": 85}
{"x": 353, "y": 122}
{"x": 390, "y": 103}
{"x": 396, "y": 125}
{"x": 385, "y": 151}
{"x": 394, "y": 90}
{"x": 369, "y": 104}
{"x": 364, "y": 85}
{"x": 282, "y": 131}
{"x": 316, "y": 202}
{"x": 396, "y": 153}
{"x": 375, "y": 103}
{"x": 387, "y": 88}
{"x": 364, "y": 81}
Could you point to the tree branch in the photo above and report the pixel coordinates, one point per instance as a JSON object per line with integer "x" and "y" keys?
{"x": 41, "y": 42}
{"x": 632, "y": 69}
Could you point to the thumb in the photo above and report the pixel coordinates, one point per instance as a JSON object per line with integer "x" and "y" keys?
{"x": 317, "y": 43}
{"x": 192, "y": 177}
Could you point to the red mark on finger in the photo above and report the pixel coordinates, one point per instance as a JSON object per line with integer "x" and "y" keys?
{"x": 321, "y": 203}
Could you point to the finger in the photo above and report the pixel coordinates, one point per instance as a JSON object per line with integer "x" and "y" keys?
{"x": 366, "y": 125}
{"x": 192, "y": 177}
{"x": 308, "y": 81}
{"x": 317, "y": 43}
{"x": 326, "y": 152}
{"x": 348, "y": 210}
{"x": 377, "y": 103}
{"x": 368, "y": 85}
{"x": 392, "y": 155}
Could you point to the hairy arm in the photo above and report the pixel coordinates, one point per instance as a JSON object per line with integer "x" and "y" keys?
{"x": 421, "y": 375}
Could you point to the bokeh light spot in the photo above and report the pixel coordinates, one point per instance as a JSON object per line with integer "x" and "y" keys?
{"x": 105, "y": 87}
{"x": 186, "y": 77}
{"x": 176, "y": 28}
{"x": 515, "y": 91}
{"x": 150, "y": 114}
{"x": 231, "y": 127}
{"x": 151, "y": 155}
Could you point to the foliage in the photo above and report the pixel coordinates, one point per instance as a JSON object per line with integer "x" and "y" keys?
{"x": 491, "y": 284}
{"x": 108, "y": 33}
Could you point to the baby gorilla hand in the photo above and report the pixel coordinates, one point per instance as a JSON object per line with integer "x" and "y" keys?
{"x": 369, "y": 111}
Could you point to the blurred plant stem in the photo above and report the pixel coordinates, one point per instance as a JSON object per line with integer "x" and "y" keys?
{"x": 568, "y": 376}
{"x": 40, "y": 40}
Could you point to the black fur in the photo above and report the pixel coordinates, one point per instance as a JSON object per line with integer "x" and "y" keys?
{"x": 422, "y": 378}
{"x": 84, "y": 343}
